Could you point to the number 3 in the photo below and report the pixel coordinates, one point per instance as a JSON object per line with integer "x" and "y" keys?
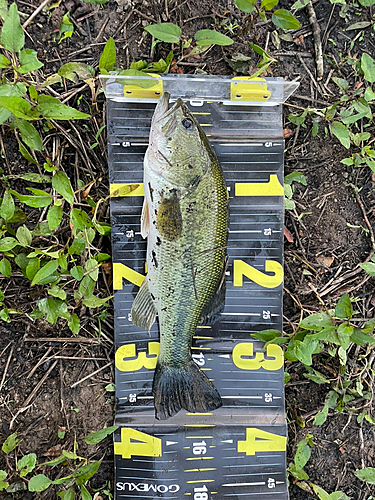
{"x": 244, "y": 358}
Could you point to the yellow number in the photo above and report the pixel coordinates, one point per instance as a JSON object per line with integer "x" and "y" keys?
{"x": 257, "y": 440}
{"x": 119, "y": 190}
{"x": 241, "y": 269}
{"x": 132, "y": 365}
{"x": 121, "y": 271}
{"x": 138, "y": 443}
{"x": 270, "y": 188}
{"x": 243, "y": 357}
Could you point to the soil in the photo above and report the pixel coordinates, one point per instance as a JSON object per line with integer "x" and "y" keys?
{"x": 45, "y": 388}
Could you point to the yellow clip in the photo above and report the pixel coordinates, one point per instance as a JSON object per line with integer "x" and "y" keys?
{"x": 255, "y": 91}
{"x": 144, "y": 88}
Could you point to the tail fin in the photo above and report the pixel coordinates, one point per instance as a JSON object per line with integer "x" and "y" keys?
{"x": 185, "y": 387}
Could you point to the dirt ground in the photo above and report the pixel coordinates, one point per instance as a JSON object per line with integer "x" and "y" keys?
{"x": 45, "y": 389}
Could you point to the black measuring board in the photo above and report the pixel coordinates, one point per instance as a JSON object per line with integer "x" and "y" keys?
{"x": 237, "y": 451}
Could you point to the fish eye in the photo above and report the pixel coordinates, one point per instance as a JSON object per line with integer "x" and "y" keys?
{"x": 187, "y": 123}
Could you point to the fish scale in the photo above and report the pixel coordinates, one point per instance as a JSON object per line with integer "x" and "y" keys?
{"x": 238, "y": 450}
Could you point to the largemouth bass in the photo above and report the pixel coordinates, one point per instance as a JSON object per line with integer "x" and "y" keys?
{"x": 185, "y": 220}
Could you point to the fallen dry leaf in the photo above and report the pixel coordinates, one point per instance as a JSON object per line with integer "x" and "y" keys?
{"x": 300, "y": 41}
{"x": 55, "y": 451}
{"x": 325, "y": 261}
{"x": 287, "y": 132}
{"x": 107, "y": 267}
{"x": 288, "y": 235}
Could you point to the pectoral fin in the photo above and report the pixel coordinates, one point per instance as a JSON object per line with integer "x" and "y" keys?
{"x": 143, "y": 310}
{"x": 145, "y": 219}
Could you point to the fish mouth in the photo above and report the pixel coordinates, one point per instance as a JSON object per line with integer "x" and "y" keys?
{"x": 163, "y": 110}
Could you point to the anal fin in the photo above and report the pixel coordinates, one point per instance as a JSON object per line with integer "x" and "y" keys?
{"x": 143, "y": 309}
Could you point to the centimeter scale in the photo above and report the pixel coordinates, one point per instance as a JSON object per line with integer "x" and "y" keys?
{"x": 239, "y": 450}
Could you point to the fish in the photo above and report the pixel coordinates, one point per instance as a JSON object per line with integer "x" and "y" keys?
{"x": 185, "y": 218}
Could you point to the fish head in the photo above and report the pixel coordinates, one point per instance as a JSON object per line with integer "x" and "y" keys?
{"x": 179, "y": 150}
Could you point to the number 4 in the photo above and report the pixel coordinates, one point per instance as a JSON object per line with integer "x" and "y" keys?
{"x": 137, "y": 443}
{"x": 258, "y": 440}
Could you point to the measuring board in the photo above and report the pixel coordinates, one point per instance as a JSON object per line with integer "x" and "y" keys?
{"x": 237, "y": 451}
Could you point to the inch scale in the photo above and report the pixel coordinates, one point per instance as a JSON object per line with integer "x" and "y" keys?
{"x": 239, "y": 450}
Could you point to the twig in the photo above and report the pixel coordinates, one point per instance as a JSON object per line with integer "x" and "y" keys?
{"x": 307, "y": 70}
{"x": 35, "y": 13}
{"x": 317, "y": 40}
{"x": 91, "y": 374}
{"x": 6, "y": 368}
{"x": 73, "y": 340}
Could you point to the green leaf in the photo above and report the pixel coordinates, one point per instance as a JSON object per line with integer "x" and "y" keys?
{"x": 53, "y": 309}
{"x": 316, "y": 377}
{"x": 39, "y": 482}
{"x": 58, "y": 292}
{"x": 38, "y": 201}
{"x": 303, "y": 452}
{"x": 54, "y": 217}
{"x": 4, "y": 61}
{"x": 28, "y": 61}
{"x": 32, "y": 268}
{"x": 316, "y": 321}
{"x": 360, "y": 337}
{"x": 3, "y": 475}
{"x": 295, "y": 177}
{"x": 77, "y": 272}
{"x": 61, "y": 184}
{"x": 285, "y": 20}
{"x": 344, "y": 307}
{"x": 12, "y": 35}
{"x": 341, "y": 132}
{"x": 269, "y": 4}
{"x": 76, "y": 71}
{"x": 166, "y": 32}
{"x": 84, "y": 473}
{"x": 266, "y": 335}
{"x": 16, "y": 105}
{"x": 51, "y": 108}
{"x": 24, "y": 236}
{"x": 84, "y": 493}
{"x": 10, "y": 443}
{"x": 246, "y": 5}
{"x": 33, "y": 177}
{"x": 305, "y": 350}
{"x": 92, "y": 264}
{"x": 369, "y": 267}
{"x": 93, "y": 302}
{"x": 368, "y": 67}
{"x": 78, "y": 245}
{"x": 7, "y": 244}
{"x": 299, "y": 4}
{"x": 24, "y": 152}
{"x": 73, "y": 324}
{"x": 297, "y": 473}
{"x": 68, "y": 494}
{"x": 65, "y": 28}
{"x": 108, "y": 58}
{"x": 80, "y": 219}
{"x": 26, "y": 464}
{"x": 330, "y": 402}
{"x": 367, "y": 3}
{"x": 7, "y": 207}
{"x": 5, "y": 268}
{"x": 341, "y": 83}
{"x": 96, "y": 437}
{"x": 210, "y": 37}
{"x": 29, "y": 134}
{"x": 367, "y": 474}
{"x": 369, "y": 93}
{"x": 322, "y": 494}
{"x": 45, "y": 272}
